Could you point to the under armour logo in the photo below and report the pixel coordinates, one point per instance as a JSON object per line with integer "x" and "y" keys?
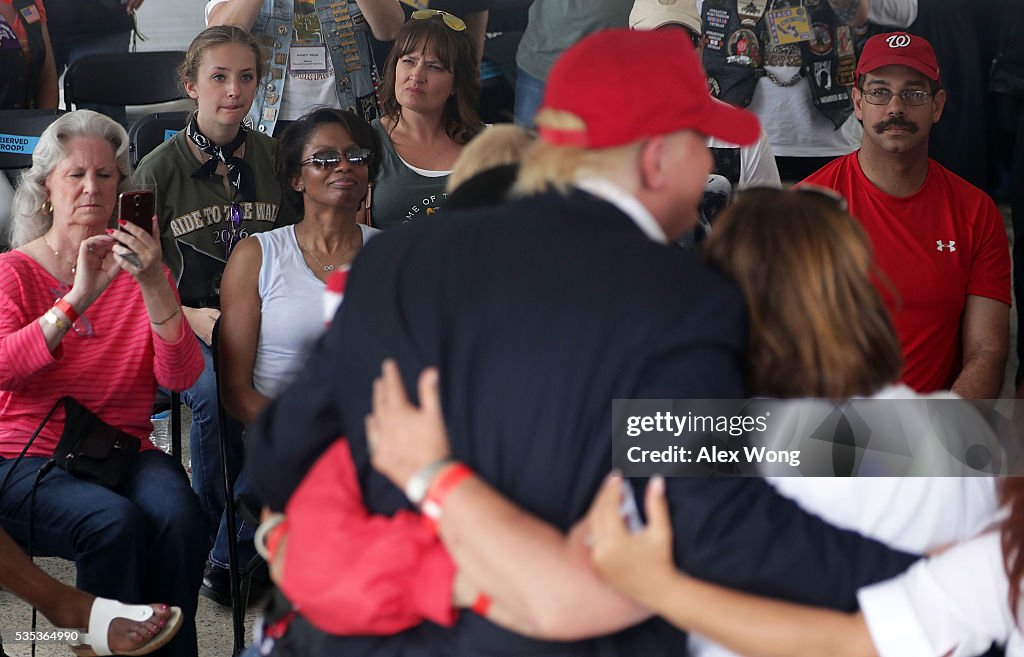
{"x": 942, "y": 246}
{"x": 898, "y": 40}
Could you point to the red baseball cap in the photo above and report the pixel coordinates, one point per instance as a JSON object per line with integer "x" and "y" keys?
{"x": 625, "y": 85}
{"x": 899, "y": 48}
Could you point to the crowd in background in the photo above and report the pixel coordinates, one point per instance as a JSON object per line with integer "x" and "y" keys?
{"x": 688, "y": 199}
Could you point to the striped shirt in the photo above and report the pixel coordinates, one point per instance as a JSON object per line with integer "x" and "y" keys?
{"x": 113, "y": 372}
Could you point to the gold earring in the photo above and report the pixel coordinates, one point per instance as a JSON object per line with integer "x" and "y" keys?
{"x": 300, "y": 189}
{"x": 47, "y": 207}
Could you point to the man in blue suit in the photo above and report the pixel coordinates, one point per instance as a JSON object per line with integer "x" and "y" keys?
{"x": 539, "y": 313}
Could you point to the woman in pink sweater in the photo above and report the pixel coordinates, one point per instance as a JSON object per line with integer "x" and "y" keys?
{"x": 90, "y": 312}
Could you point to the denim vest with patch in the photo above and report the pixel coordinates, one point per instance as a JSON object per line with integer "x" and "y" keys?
{"x": 346, "y": 35}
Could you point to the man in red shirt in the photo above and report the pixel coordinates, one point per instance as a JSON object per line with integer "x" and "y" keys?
{"x": 939, "y": 242}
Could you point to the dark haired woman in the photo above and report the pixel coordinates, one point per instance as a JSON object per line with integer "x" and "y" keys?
{"x": 273, "y": 286}
{"x": 428, "y": 103}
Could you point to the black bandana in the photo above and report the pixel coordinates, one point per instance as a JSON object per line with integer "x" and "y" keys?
{"x": 239, "y": 172}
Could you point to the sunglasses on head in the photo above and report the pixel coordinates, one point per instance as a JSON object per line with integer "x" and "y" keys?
{"x": 451, "y": 20}
{"x": 822, "y": 193}
{"x": 330, "y": 159}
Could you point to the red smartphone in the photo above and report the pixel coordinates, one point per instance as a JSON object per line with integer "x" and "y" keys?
{"x": 138, "y": 208}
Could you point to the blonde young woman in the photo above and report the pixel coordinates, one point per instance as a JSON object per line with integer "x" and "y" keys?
{"x": 215, "y": 185}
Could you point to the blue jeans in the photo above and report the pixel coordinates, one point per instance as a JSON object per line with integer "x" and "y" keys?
{"x": 66, "y": 53}
{"x": 529, "y": 94}
{"x": 142, "y": 543}
{"x": 207, "y": 478}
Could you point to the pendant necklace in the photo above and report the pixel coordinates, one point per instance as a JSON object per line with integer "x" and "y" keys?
{"x": 312, "y": 255}
{"x": 74, "y": 265}
{"x": 322, "y": 265}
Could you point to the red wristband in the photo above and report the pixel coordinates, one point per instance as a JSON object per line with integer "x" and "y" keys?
{"x": 67, "y": 309}
{"x": 481, "y": 605}
{"x": 440, "y": 489}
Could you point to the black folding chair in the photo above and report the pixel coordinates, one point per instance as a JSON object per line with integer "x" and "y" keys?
{"x": 132, "y": 78}
{"x": 240, "y": 580}
{"x": 151, "y": 130}
{"x": 19, "y": 133}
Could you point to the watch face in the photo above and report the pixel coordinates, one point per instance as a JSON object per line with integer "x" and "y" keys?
{"x": 416, "y": 487}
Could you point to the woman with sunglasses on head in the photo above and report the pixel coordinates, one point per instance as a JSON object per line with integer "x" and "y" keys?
{"x": 215, "y": 185}
{"x": 274, "y": 283}
{"x": 428, "y": 101}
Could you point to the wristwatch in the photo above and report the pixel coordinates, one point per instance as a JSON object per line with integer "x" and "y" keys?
{"x": 418, "y": 486}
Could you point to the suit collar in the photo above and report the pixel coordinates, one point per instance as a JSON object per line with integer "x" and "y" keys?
{"x": 627, "y": 204}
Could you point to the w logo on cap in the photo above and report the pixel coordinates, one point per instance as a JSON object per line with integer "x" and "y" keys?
{"x": 898, "y": 40}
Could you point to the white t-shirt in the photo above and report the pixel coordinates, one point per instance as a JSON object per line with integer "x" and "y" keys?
{"x": 757, "y": 162}
{"x": 299, "y": 94}
{"x": 913, "y": 514}
{"x": 794, "y": 127}
{"x": 955, "y": 603}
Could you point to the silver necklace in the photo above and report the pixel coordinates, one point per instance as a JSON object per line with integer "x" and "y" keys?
{"x": 322, "y": 265}
{"x": 312, "y": 255}
{"x": 74, "y": 265}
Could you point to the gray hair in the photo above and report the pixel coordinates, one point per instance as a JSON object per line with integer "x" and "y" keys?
{"x": 29, "y": 219}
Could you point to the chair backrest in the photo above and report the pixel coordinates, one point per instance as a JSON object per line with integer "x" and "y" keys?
{"x": 19, "y": 134}
{"x": 152, "y": 130}
{"x": 131, "y": 78}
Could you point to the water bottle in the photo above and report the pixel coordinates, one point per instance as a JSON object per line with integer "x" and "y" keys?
{"x": 161, "y": 437}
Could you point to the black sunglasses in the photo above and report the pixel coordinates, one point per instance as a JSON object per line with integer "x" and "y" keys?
{"x": 331, "y": 159}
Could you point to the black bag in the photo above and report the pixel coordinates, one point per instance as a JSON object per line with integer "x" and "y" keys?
{"x": 93, "y": 450}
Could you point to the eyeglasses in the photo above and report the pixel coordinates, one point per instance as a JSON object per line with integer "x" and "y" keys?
{"x": 331, "y": 159}
{"x": 912, "y": 97}
{"x": 451, "y": 20}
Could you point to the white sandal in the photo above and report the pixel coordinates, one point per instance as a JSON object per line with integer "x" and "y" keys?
{"x": 103, "y": 613}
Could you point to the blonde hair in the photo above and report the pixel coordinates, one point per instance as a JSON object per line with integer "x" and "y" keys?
{"x": 818, "y": 326}
{"x": 219, "y": 35}
{"x": 496, "y": 146}
{"x": 29, "y": 218}
{"x": 545, "y": 167}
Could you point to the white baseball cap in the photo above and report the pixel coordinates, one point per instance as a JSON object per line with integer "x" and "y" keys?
{"x": 652, "y": 14}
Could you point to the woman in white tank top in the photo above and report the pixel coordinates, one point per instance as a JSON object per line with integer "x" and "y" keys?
{"x": 273, "y": 286}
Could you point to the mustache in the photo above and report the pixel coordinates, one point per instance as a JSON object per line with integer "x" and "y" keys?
{"x": 894, "y": 122}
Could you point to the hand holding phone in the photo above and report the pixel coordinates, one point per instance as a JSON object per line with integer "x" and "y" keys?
{"x": 137, "y": 208}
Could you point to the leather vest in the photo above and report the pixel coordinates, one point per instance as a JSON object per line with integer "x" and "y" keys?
{"x": 346, "y": 35}
{"x": 734, "y": 57}
{"x": 20, "y": 76}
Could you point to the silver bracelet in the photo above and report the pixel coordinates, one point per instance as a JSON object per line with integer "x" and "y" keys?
{"x": 163, "y": 321}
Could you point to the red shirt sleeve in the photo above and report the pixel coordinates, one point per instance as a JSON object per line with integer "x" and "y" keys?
{"x": 351, "y": 573}
{"x": 177, "y": 365}
{"x": 990, "y": 269}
